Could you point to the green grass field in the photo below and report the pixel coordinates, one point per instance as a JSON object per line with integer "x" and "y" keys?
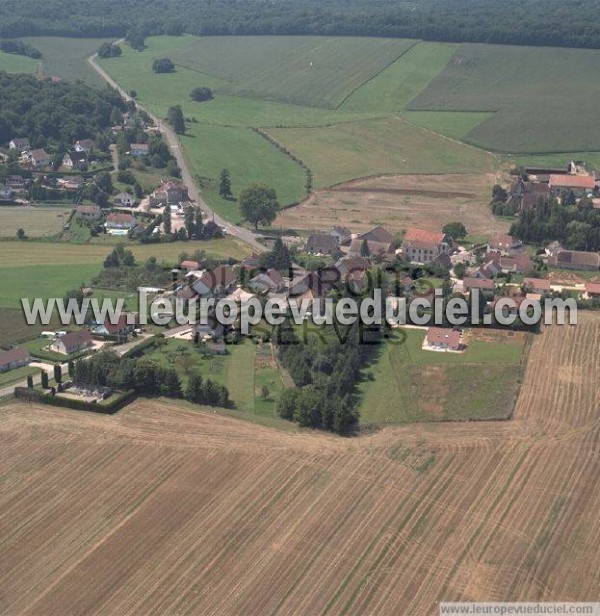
{"x": 46, "y": 269}
{"x": 541, "y": 97}
{"x": 360, "y": 149}
{"x": 412, "y": 385}
{"x": 36, "y": 222}
{"x": 268, "y": 82}
{"x": 311, "y": 71}
{"x": 13, "y": 63}
{"x": 67, "y": 57}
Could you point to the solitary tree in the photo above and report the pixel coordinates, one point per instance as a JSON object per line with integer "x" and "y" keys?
{"x": 456, "y": 230}
{"x": 364, "y": 249}
{"x": 176, "y": 119}
{"x": 29, "y": 381}
{"x": 163, "y": 65}
{"x": 21, "y": 234}
{"x": 259, "y": 205}
{"x": 44, "y": 379}
{"x": 225, "y": 184}
{"x": 57, "y": 373}
{"x": 201, "y": 94}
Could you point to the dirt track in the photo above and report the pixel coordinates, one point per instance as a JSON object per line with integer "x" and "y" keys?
{"x": 170, "y": 510}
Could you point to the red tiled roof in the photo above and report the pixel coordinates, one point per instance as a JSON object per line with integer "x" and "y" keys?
{"x": 422, "y": 236}
{"x": 438, "y": 336}
{"x": 593, "y": 287}
{"x": 478, "y": 283}
{"x": 573, "y": 181}
{"x": 537, "y": 283}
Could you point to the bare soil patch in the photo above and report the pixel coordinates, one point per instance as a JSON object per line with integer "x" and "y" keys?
{"x": 398, "y": 202}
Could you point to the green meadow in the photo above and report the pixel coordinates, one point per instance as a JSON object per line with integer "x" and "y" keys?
{"x": 410, "y": 384}
{"x": 12, "y": 63}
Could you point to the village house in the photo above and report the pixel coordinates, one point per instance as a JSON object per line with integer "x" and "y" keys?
{"x": 513, "y": 307}
{"x": 219, "y": 281}
{"x": 120, "y": 221}
{"x": 349, "y": 266}
{"x": 378, "y": 234}
{"x": 72, "y": 183}
{"x": 421, "y": 246}
{"x": 138, "y": 150}
{"x": 169, "y": 193}
{"x": 124, "y": 199}
{"x": 88, "y": 213}
{"x": 441, "y": 339}
{"x": 592, "y": 290}
{"x": 72, "y": 342}
{"x": 119, "y": 330}
{"x": 536, "y": 285}
{"x": 482, "y": 284}
{"x": 381, "y": 250}
{"x": 270, "y": 281}
{"x": 505, "y": 244}
{"x": 321, "y": 244}
{"x": 38, "y": 159}
{"x": 84, "y": 145}
{"x": 75, "y": 160}
{"x": 526, "y": 195}
{"x": 580, "y": 184}
{"x": 21, "y": 144}
{"x": 15, "y": 358}
{"x": 518, "y": 262}
{"x": 575, "y": 260}
{"x": 343, "y": 235}
{"x": 189, "y": 266}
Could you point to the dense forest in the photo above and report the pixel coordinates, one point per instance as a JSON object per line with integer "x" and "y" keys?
{"x": 520, "y": 22}
{"x": 54, "y": 113}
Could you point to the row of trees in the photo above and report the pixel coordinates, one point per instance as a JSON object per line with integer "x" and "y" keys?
{"x": 20, "y": 48}
{"x": 147, "y": 378}
{"x": 518, "y": 22}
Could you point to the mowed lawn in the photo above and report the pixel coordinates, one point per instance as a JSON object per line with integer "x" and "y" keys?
{"x": 13, "y": 63}
{"x": 36, "y": 222}
{"x": 540, "y": 97}
{"x": 413, "y": 385}
{"x": 359, "y": 149}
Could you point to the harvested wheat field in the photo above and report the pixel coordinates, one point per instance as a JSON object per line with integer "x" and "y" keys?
{"x": 171, "y": 510}
{"x": 398, "y": 202}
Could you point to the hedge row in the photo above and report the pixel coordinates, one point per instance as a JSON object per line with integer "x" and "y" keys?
{"x": 33, "y": 395}
{"x": 142, "y": 347}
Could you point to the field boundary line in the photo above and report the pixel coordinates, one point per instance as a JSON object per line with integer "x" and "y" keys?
{"x": 364, "y": 83}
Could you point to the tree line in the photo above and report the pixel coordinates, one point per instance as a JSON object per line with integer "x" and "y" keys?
{"x": 516, "y": 22}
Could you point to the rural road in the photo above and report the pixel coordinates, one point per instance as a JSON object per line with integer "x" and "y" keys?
{"x": 174, "y": 144}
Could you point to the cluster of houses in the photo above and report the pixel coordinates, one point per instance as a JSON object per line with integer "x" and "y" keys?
{"x": 545, "y": 182}
{"x": 79, "y": 156}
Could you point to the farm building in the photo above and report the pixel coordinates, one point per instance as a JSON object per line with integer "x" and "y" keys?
{"x": 343, "y": 235}
{"x": 321, "y": 244}
{"x": 579, "y": 184}
{"x": 378, "y": 234}
{"x": 15, "y": 358}
{"x": 441, "y": 339}
{"x": 73, "y": 342}
{"x": 575, "y": 260}
{"x": 189, "y": 265}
